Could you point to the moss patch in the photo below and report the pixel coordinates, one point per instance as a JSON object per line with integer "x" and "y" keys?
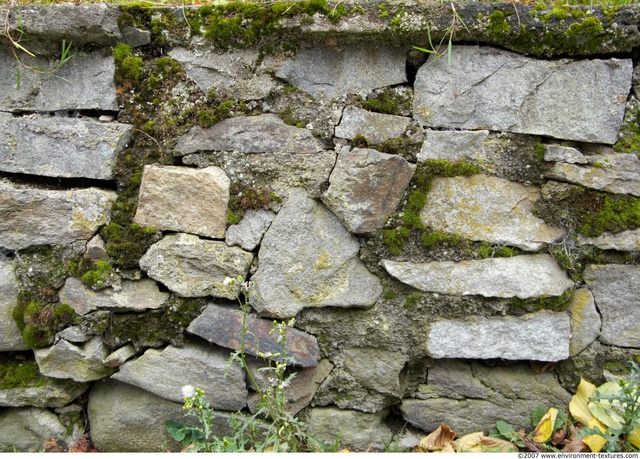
{"x": 19, "y": 373}
{"x": 552, "y": 303}
{"x": 39, "y": 323}
{"x": 243, "y": 198}
{"x": 387, "y": 101}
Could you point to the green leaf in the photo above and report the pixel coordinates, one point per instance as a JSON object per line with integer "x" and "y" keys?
{"x": 537, "y": 415}
{"x": 560, "y": 420}
{"x": 175, "y": 429}
{"x": 505, "y": 428}
{"x": 424, "y": 50}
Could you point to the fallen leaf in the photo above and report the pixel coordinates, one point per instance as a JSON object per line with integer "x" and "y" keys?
{"x": 606, "y": 410}
{"x": 437, "y": 439}
{"x": 560, "y": 434}
{"x": 574, "y": 444}
{"x": 579, "y": 402}
{"x": 544, "y": 429}
{"x": 51, "y": 446}
{"x": 634, "y": 437}
{"x": 477, "y": 442}
{"x": 595, "y": 442}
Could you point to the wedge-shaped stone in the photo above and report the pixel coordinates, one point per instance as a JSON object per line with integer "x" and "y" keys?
{"x": 308, "y": 259}
{"x": 615, "y": 289}
{"x": 488, "y": 88}
{"x": 183, "y": 199}
{"x": 33, "y": 216}
{"x": 491, "y": 209}
{"x": 366, "y": 187}
{"x": 223, "y": 326}
{"x": 526, "y": 276}
{"x": 165, "y": 371}
{"x": 248, "y": 233}
{"x": 80, "y": 363}
{"x": 542, "y": 336}
{"x": 249, "y": 134}
{"x": 10, "y": 336}
{"x": 191, "y": 267}
{"x": 133, "y": 296}
{"x": 375, "y": 127}
{"x": 613, "y": 172}
{"x": 326, "y": 72}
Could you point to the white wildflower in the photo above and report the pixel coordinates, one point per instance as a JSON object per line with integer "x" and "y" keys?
{"x": 188, "y": 391}
{"x": 228, "y": 281}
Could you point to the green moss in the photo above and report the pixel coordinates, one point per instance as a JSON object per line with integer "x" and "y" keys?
{"x": 243, "y": 198}
{"x": 551, "y": 303}
{"x": 415, "y": 204}
{"x": 387, "y": 101}
{"x": 97, "y": 277}
{"x": 411, "y": 300}
{"x": 540, "y": 150}
{"x": 429, "y": 239}
{"x": 359, "y": 141}
{"x": 389, "y": 294}
{"x": 485, "y": 250}
{"x": 121, "y": 51}
{"x": 39, "y": 323}
{"x": 406, "y": 148}
{"x": 127, "y": 243}
{"x": 498, "y": 24}
{"x": 395, "y": 239}
{"x": 15, "y": 374}
{"x": 559, "y": 12}
{"x": 131, "y": 68}
{"x": 629, "y": 141}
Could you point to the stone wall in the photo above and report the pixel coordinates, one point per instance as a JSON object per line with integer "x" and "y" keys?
{"x": 457, "y": 238}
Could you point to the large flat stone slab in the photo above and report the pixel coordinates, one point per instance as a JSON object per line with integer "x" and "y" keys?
{"x": 165, "y": 371}
{"x": 615, "y": 289}
{"x": 184, "y": 199}
{"x": 488, "y": 88}
{"x": 34, "y": 216}
{"x": 327, "y": 72}
{"x": 10, "y": 336}
{"x": 375, "y": 127}
{"x": 542, "y": 336}
{"x": 194, "y": 267}
{"x": 525, "y": 276}
{"x": 223, "y": 326}
{"x": 308, "y": 259}
{"x": 365, "y": 187}
{"x": 486, "y": 208}
{"x": 61, "y": 147}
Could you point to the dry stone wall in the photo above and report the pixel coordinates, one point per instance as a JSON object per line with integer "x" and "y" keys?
{"x": 457, "y": 238}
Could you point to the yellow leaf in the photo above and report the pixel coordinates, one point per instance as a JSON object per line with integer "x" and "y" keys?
{"x": 544, "y": 429}
{"x": 467, "y": 442}
{"x": 477, "y": 442}
{"x": 595, "y": 442}
{"x": 579, "y": 402}
{"x": 634, "y": 437}
{"x": 437, "y": 439}
{"x": 605, "y": 410}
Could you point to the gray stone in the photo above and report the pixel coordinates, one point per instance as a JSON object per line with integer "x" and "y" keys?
{"x": 165, "y": 371}
{"x": 375, "y": 127}
{"x": 194, "y": 267}
{"x": 342, "y": 390}
{"x": 133, "y": 296}
{"x": 308, "y": 259}
{"x": 525, "y": 276}
{"x": 61, "y": 147}
{"x": 585, "y": 321}
{"x": 327, "y": 73}
{"x": 232, "y": 74}
{"x": 223, "y": 326}
{"x": 542, "y": 336}
{"x": 73, "y": 335}
{"x": 126, "y": 418}
{"x": 454, "y": 146}
{"x": 33, "y": 216}
{"x": 68, "y": 361}
{"x": 83, "y": 83}
{"x": 28, "y": 429}
{"x": 248, "y": 233}
{"x": 119, "y": 356}
{"x": 491, "y": 209}
{"x": 249, "y": 134}
{"x": 135, "y": 37}
{"x": 375, "y": 369}
{"x": 488, "y": 88}
{"x": 96, "y": 249}
{"x": 365, "y": 188}
{"x": 356, "y": 430}
{"x": 615, "y": 289}
{"x": 564, "y": 154}
{"x": 10, "y": 336}
{"x": 452, "y": 379}
{"x": 49, "y": 392}
{"x": 613, "y": 172}
{"x": 184, "y": 199}
{"x": 626, "y": 241}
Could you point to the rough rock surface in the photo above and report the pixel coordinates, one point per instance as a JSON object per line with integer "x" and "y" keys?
{"x": 585, "y": 321}
{"x": 365, "y": 187}
{"x": 133, "y": 296}
{"x": 249, "y": 134}
{"x": 615, "y": 289}
{"x": 453, "y": 145}
{"x": 28, "y": 429}
{"x": 488, "y": 88}
{"x": 193, "y": 267}
{"x": 185, "y": 200}
{"x": 32, "y": 216}
{"x": 491, "y": 209}
{"x": 525, "y": 276}
{"x": 357, "y": 431}
{"x": 375, "y": 369}
{"x": 626, "y": 241}
{"x": 119, "y": 356}
{"x": 564, "y": 154}
{"x": 485, "y": 395}
{"x": 10, "y": 336}
{"x": 223, "y": 326}
{"x": 52, "y": 393}
{"x": 526, "y": 337}
{"x": 375, "y": 127}
{"x": 68, "y": 361}
{"x": 231, "y": 75}
{"x": 164, "y": 372}
{"x": 248, "y": 233}
{"x": 612, "y": 172}
{"x": 85, "y": 83}
{"x": 308, "y": 259}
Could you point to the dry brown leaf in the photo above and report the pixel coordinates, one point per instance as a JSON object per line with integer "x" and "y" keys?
{"x": 51, "y": 446}
{"x": 541, "y": 367}
{"x": 560, "y": 434}
{"x": 437, "y": 439}
{"x": 574, "y": 444}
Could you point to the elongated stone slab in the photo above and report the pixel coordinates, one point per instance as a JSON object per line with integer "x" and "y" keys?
{"x": 542, "y": 336}
{"x": 375, "y": 127}
{"x": 10, "y": 336}
{"x": 626, "y": 241}
{"x": 223, "y": 327}
{"x": 61, "y": 147}
{"x": 488, "y": 88}
{"x": 526, "y": 276}
{"x": 454, "y": 145}
{"x": 33, "y": 216}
